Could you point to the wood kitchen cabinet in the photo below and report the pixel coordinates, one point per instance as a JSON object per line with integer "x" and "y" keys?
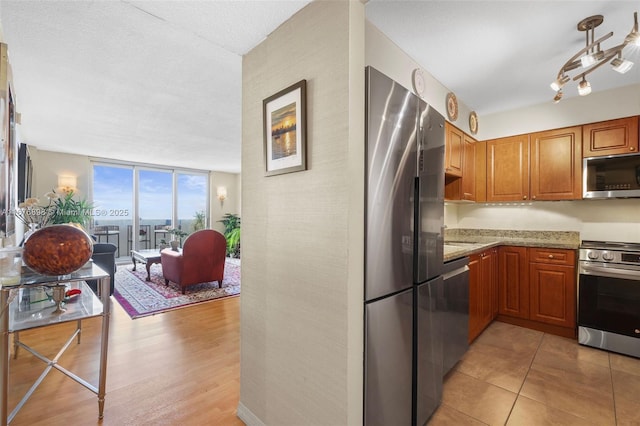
{"x": 482, "y": 291}
{"x": 508, "y": 168}
{"x": 460, "y": 165}
{"x": 468, "y": 183}
{"x": 537, "y": 289}
{"x": 481, "y": 171}
{"x": 538, "y": 166}
{"x": 610, "y": 137}
{"x": 556, "y": 164}
{"x": 552, "y": 282}
{"x": 454, "y": 148}
{"x": 513, "y": 282}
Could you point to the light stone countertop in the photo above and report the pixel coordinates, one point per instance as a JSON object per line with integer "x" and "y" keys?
{"x": 464, "y": 242}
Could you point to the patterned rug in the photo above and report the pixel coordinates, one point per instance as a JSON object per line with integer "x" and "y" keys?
{"x": 141, "y": 298}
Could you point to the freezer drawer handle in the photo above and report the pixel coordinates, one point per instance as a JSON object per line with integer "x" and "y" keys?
{"x": 458, "y": 271}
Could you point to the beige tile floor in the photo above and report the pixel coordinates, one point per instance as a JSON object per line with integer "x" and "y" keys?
{"x": 516, "y": 376}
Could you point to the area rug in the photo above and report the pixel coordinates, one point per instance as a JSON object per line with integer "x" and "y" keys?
{"x": 140, "y": 298}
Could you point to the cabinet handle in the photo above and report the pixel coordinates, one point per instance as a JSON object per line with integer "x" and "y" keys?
{"x": 524, "y": 197}
{"x": 533, "y": 198}
{"x": 631, "y": 148}
{"x": 637, "y": 331}
{"x": 550, "y": 256}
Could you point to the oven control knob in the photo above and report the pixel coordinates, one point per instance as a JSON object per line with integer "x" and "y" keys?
{"x": 607, "y": 256}
{"x": 592, "y": 255}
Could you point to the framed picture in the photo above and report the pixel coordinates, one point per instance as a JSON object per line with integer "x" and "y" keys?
{"x": 285, "y": 130}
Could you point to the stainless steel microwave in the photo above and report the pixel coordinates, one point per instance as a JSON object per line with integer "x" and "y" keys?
{"x": 614, "y": 176}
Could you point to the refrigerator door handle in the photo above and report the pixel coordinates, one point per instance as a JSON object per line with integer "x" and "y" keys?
{"x": 420, "y": 150}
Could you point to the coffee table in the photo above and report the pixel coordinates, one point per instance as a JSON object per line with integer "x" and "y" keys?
{"x": 148, "y": 257}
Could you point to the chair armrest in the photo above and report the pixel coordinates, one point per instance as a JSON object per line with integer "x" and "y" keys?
{"x": 169, "y": 253}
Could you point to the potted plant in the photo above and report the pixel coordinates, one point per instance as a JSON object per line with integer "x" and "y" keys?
{"x": 68, "y": 210}
{"x": 163, "y": 244}
{"x": 231, "y": 222}
{"x": 177, "y": 235}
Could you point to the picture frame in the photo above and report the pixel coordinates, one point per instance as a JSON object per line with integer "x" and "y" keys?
{"x": 285, "y": 130}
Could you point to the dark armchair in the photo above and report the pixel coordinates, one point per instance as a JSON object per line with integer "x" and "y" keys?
{"x": 201, "y": 260}
{"x": 104, "y": 256}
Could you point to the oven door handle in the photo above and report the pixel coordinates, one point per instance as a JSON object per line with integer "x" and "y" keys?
{"x": 610, "y": 272}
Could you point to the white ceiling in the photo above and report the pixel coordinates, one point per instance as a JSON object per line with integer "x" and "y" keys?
{"x": 501, "y": 55}
{"x": 160, "y": 81}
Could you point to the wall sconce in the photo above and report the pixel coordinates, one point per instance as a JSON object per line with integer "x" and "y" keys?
{"x": 67, "y": 184}
{"x": 222, "y": 194}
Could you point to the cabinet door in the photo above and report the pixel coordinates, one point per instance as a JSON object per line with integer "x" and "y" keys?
{"x": 453, "y": 150}
{"x": 486, "y": 272}
{"x": 610, "y": 137}
{"x": 508, "y": 169}
{"x": 469, "y": 169}
{"x": 481, "y": 171}
{"x": 553, "y": 294}
{"x": 493, "y": 264}
{"x": 556, "y": 164}
{"x": 513, "y": 282}
{"x": 475, "y": 297}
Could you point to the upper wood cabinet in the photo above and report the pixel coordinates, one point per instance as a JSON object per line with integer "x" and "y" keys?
{"x": 454, "y": 148}
{"x": 460, "y": 165}
{"x": 556, "y": 164}
{"x": 481, "y": 171}
{"x": 508, "y": 168}
{"x": 469, "y": 169}
{"x": 610, "y": 137}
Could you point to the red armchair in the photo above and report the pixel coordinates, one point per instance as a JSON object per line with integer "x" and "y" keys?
{"x": 201, "y": 260}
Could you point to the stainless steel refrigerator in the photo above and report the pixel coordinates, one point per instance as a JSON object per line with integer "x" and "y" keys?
{"x": 403, "y": 254}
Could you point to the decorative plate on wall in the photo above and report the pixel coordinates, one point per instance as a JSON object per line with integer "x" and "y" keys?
{"x": 418, "y": 81}
{"x": 452, "y": 106}
{"x": 473, "y": 122}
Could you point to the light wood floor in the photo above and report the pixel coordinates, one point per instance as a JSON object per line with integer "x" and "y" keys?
{"x": 177, "y": 368}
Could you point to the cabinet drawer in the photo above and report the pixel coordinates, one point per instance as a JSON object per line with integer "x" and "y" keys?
{"x": 552, "y": 256}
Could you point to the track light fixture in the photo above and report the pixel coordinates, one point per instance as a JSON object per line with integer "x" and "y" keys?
{"x": 591, "y": 57}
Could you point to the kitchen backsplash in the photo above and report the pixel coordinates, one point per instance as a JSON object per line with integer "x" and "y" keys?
{"x": 601, "y": 220}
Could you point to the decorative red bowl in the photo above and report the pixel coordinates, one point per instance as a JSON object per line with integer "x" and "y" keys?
{"x": 57, "y": 249}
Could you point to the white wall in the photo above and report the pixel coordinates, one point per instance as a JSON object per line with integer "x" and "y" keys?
{"x": 384, "y": 55}
{"x": 302, "y": 256}
{"x": 598, "y": 106}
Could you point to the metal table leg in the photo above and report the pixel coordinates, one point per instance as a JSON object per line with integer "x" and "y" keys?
{"x": 104, "y": 344}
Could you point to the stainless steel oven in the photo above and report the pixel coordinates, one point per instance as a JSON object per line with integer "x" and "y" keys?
{"x": 609, "y": 296}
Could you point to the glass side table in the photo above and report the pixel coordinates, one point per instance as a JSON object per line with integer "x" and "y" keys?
{"x": 25, "y": 305}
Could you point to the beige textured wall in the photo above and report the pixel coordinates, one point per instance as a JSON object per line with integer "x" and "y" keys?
{"x": 302, "y": 288}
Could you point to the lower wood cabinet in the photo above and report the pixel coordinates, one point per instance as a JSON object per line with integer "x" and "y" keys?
{"x": 537, "y": 289}
{"x": 482, "y": 291}
{"x": 513, "y": 282}
{"x": 552, "y": 286}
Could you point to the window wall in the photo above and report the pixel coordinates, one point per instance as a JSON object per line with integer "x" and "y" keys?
{"x": 136, "y": 205}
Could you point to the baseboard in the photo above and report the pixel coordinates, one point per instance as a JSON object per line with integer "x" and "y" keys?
{"x": 570, "y": 333}
{"x": 247, "y": 416}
